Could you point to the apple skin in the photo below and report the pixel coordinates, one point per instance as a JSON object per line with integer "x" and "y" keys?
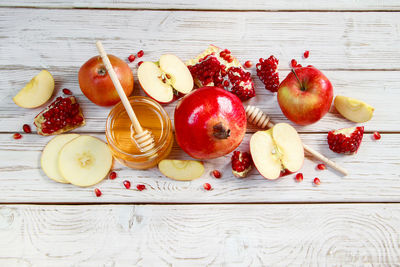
{"x": 204, "y": 117}
{"x": 309, "y": 105}
{"x": 96, "y": 84}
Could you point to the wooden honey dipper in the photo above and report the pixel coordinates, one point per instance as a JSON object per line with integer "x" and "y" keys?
{"x": 143, "y": 138}
{"x": 260, "y": 119}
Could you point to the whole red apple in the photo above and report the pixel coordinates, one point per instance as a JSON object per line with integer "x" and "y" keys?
{"x": 306, "y": 98}
{"x": 96, "y": 84}
{"x": 209, "y": 122}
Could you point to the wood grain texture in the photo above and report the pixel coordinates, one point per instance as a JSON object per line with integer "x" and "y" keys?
{"x": 374, "y": 177}
{"x": 212, "y": 5}
{"x": 200, "y": 235}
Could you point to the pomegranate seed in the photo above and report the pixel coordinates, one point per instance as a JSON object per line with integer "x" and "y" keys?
{"x": 293, "y": 63}
{"x": 207, "y": 186}
{"x": 317, "y": 181}
{"x": 112, "y": 175}
{"x": 17, "y": 136}
{"x": 131, "y": 58}
{"x": 216, "y": 174}
{"x": 67, "y": 91}
{"x": 127, "y": 184}
{"x": 140, "y": 63}
{"x": 229, "y": 59}
{"x": 97, "y": 192}
{"x": 377, "y": 136}
{"x": 141, "y": 187}
{"x": 140, "y": 53}
{"x": 248, "y": 64}
{"x": 321, "y": 167}
{"x": 306, "y": 54}
{"x": 26, "y": 128}
{"x": 299, "y": 177}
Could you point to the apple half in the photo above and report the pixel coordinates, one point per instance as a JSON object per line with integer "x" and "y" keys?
{"x": 165, "y": 79}
{"x": 277, "y": 151}
{"x": 353, "y": 109}
{"x": 37, "y": 92}
{"x": 181, "y": 170}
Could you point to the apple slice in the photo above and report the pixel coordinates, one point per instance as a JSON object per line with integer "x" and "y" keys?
{"x": 36, "y": 92}
{"x": 49, "y": 159}
{"x": 277, "y": 151}
{"x": 165, "y": 79}
{"x": 84, "y": 161}
{"x": 181, "y": 170}
{"x": 353, "y": 109}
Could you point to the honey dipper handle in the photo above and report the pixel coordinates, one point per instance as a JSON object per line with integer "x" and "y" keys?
{"x": 324, "y": 159}
{"x": 136, "y": 125}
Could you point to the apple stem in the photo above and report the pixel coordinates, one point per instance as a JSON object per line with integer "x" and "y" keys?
{"x": 302, "y": 88}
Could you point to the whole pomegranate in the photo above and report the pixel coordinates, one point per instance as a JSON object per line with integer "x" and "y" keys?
{"x": 209, "y": 122}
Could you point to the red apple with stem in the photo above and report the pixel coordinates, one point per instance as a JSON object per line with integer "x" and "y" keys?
{"x": 209, "y": 122}
{"x": 305, "y": 95}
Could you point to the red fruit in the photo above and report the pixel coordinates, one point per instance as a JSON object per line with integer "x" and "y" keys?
{"x": 131, "y": 58}
{"x": 127, "y": 184}
{"x": 299, "y": 177}
{"x": 346, "y": 140}
{"x": 209, "y": 123}
{"x": 317, "y": 181}
{"x": 97, "y": 85}
{"x": 306, "y": 54}
{"x": 26, "y": 128}
{"x": 207, "y": 186}
{"x": 216, "y": 174}
{"x": 248, "y": 64}
{"x": 97, "y": 192}
{"x": 139, "y": 63}
{"x": 377, "y": 136}
{"x": 293, "y": 63}
{"x": 17, "y": 136}
{"x": 63, "y": 115}
{"x": 67, "y": 91}
{"x": 141, "y": 187}
{"x": 241, "y": 163}
{"x": 112, "y": 175}
{"x": 267, "y": 71}
{"x": 140, "y": 53}
{"x": 321, "y": 167}
{"x": 211, "y": 69}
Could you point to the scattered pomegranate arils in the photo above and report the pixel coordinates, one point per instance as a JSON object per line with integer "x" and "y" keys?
{"x": 139, "y": 63}
{"x": 317, "y": 181}
{"x": 216, "y": 174}
{"x": 241, "y": 163}
{"x": 299, "y": 177}
{"x": 306, "y": 54}
{"x": 17, "y": 136}
{"x": 321, "y": 167}
{"x": 207, "y": 186}
{"x": 293, "y": 63}
{"x": 67, "y": 91}
{"x": 140, "y": 53}
{"x": 112, "y": 175}
{"x": 26, "y": 128}
{"x": 140, "y": 187}
{"x": 63, "y": 115}
{"x": 97, "y": 192}
{"x": 127, "y": 184}
{"x": 267, "y": 71}
{"x": 346, "y": 140}
{"x": 131, "y": 58}
{"x": 216, "y": 67}
{"x": 248, "y": 64}
{"x": 377, "y": 136}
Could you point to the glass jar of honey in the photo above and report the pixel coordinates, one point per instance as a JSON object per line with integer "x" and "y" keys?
{"x": 151, "y": 117}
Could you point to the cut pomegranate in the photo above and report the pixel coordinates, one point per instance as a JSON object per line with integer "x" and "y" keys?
{"x": 267, "y": 71}
{"x": 67, "y": 91}
{"x": 127, "y": 184}
{"x": 131, "y": 58}
{"x": 248, "y": 64}
{"x": 321, "y": 167}
{"x": 216, "y": 174}
{"x": 140, "y": 187}
{"x": 63, "y": 115}
{"x": 377, "y": 136}
{"x": 317, "y": 181}
{"x": 112, "y": 175}
{"x": 97, "y": 192}
{"x": 207, "y": 186}
{"x": 299, "y": 177}
{"x": 346, "y": 140}
{"x": 17, "y": 136}
{"x": 241, "y": 164}
{"x": 306, "y": 54}
{"x": 26, "y": 128}
{"x": 140, "y": 53}
{"x": 216, "y": 67}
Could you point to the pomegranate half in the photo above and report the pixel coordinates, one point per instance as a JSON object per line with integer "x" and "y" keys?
{"x": 209, "y": 122}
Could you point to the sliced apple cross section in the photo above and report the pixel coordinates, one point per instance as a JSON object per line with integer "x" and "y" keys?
{"x": 84, "y": 161}
{"x": 160, "y": 79}
{"x": 181, "y": 170}
{"x": 277, "y": 150}
{"x": 353, "y": 109}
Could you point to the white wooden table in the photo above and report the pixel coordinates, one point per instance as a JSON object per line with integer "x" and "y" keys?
{"x": 352, "y": 221}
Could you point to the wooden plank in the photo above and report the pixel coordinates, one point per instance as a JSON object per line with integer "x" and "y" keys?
{"x": 37, "y": 38}
{"x": 200, "y": 235}
{"x": 212, "y": 5}
{"x": 374, "y": 176}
